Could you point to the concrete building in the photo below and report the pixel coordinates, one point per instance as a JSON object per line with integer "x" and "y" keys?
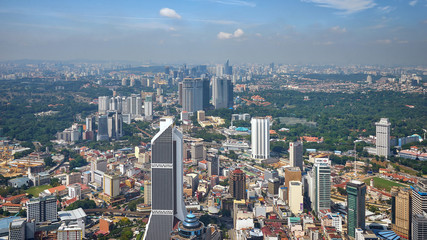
{"x": 147, "y": 192}
{"x": 296, "y": 198}
{"x": 69, "y": 231}
{"x": 148, "y": 107}
{"x": 111, "y": 185}
{"x": 213, "y": 165}
{"x": 42, "y": 209}
{"x": 291, "y": 174}
{"x": 383, "y": 137}
{"x": 273, "y": 187}
{"x": 356, "y": 192}
{"x": 260, "y": 138}
{"x": 197, "y": 152}
{"x": 102, "y": 128}
{"x": 295, "y": 155}
{"x": 238, "y": 184}
{"x": 167, "y": 181}
{"x": 74, "y": 177}
{"x": 200, "y": 115}
{"x": 419, "y": 209}
{"x": 192, "y": 95}
{"x": 103, "y": 104}
{"x": 74, "y": 191}
{"x": 97, "y": 164}
{"x": 17, "y": 229}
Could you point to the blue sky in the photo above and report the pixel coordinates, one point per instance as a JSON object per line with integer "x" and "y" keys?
{"x": 210, "y": 31}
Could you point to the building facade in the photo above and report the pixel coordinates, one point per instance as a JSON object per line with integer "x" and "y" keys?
{"x": 260, "y": 138}
{"x": 295, "y": 155}
{"x": 238, "y": 184}
{"x": 356, "y": 192}
{"x": 42, "y": 209}
{"x": 383, "y": 137}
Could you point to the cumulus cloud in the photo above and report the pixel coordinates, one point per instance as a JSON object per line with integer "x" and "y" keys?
{"x": 346, "y": 6}
{"x": 170, "y": 13}
{"x": 338, "y": 29}
{"x": 224, "y": 35}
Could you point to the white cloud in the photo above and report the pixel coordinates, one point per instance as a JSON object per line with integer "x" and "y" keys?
{"x": 413, "y": 3}
{"x": 235, "y": 2}
{"x": 170, "y": 13}
{"x": 346, "y": 6}
{"x": 384, "y": 41}
{"x": 338, "y": 29}
{"x": 237, "y": 34}
{"x": 386, "y": 9}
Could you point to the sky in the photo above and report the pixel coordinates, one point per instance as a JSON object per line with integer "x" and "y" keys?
{"x": 385, "y": 32}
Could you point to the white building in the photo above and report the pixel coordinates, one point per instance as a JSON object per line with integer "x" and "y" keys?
{"x": 69, "y": 231}
{"x": 74, "y": 191}
{"x": 103, "y": 104}
{"x": 383, "y": 137}
{"x": 295, "y": 197}
{"x": 260, "y": 135}
{"x": 148, "y": 107}
{"x": 111, "y": 185}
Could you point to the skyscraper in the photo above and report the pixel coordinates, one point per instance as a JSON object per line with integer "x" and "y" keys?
{"x": 322, "y": 186}
{"x": 192, "y": 95}
{"x": 228, "y": 70}
{"x": 419, "y": 210}
{"x": 222, "y": 93}
{"x": 115, "y": 125}
{"x": 206, "y": 92}
{"x": 116, "y": 104}
{"x": 213, "y": 165}
{"x": 148, "y": 107}
{"x": 166, "y": 181}
{"x": 238, "y": 184}
{"x": 103, "y": 104}
{"x": 260, "y": 136}
{"x": 42, "y": 209}
{"x": 383, "y": 137}
{"x": 291, "y": 174}
{"x": 402, "y": 216}
{"x": 102, "y": 128}
{"x": 135, "y": 105}
{"x": 356, "y": 192}
{"x": 295, "y": 155}
{"x": 90, "y": 123}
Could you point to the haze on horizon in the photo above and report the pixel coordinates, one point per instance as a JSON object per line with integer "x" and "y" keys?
{"x": 210, "y": 31}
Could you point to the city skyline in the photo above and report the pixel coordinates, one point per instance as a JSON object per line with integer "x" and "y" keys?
{"x": 297, "y": 31}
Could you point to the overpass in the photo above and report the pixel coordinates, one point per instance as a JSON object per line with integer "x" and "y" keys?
{"x": 143, "y": 213}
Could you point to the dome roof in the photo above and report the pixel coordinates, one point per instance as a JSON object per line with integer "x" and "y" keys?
{"x": 191, "y": 221}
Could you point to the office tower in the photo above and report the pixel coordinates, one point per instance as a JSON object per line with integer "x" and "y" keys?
{"x": 148, "y": 107}
{"x": 213, "y": 165}
{"x": 383, "y": 137}
{"x": 238, "y": 184}
{"x": 69, "y": 231}
{"x": 197, "y": 150}
{"x": 147, "y": 192}
{"x": 206, "y": 92}
{"x": 166, "y": 181}
{"x": 228, "y": 70}
{"x": 192, "y": 95}
{"x": 126, "y": 105}
{"x": 42, "y": 209}
{"x": 74, "y": 191}
{"x": 260, "y": 135}
{"x": 295, "y": 155}
{"x": 17, "y": 229}
{"x": 322, "y": 186}
{"x": 273, "y": 186}
{"x": 103, "y": 104}
{"x": 419, "y": 209}
{"x": 291, "y": 174}
{"x": 111, "y": 185}
{"x": 295, "y": 197}
{"x": 401, "y": 212}
{"x": 97, "y": 164}
{"x": 356, "y": 192}
{"x": 180, "y": 93}
{"x": 200, "y": 115}
{"x": 134, "y": 105}
{"x": 115, "y": 104}
{"x": 222, "y": 93}
{"x": 102, "y": 128}
{"x": 115, "y": 125}
{"x": 90, "y": 123}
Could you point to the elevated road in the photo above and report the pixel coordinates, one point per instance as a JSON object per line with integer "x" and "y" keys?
{"x": 146, "y": 212}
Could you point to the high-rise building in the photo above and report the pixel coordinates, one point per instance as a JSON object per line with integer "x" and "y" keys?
{"x": 99, "y": 164}
{"x": 419, "y": 210}
{"x": 115, "y": 125}
{"x": 260, "y": 135}
{"x": 180, "y": 84}
{"x": 273, "y": 186}
{"x": 103, "y": 104}
{"x": 356, "y": 192}
{"x": 296, "y": 198}
{"x": 295, "y": 155}
{"x": 116, "y": 104}
{"x": 206, "y": 92}
{"x": 197, "y": 151}
{"x": 401, "y": 212}
{"x": 72, "y": 230}
{"x": 148, "y": 107}
{"x": 383, "y": 137}
{"x": 228, "y": 70}
{"x": 322, "y": 186}
{"x": 102, "y": 128}
{"x": 291, "y": 174}
{"x": 166, "y": 180}
{"x": 111, "y": 185}
{"x": 147, "y": 192}
{"x": 17, "y": 229}
{"x": 222, "y": 93}
{"x": 90, "y": 123}
{"x": 238, "y": 184}
{"x": 192, "y": 95}
{"x": 135, "y": 105}
{"x": 213, "y": 165}
{"x": 42, "y": 209}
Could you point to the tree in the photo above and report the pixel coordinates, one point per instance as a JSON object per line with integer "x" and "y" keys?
{"x": 48, "y": 161}
{"x": 54, "y": 182}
